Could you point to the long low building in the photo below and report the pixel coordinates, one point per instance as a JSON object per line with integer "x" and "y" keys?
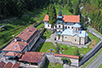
{"x": 23, "y": 42}
{"x": 37, "y": 58}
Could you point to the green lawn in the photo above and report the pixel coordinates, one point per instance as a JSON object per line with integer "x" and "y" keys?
{"x": 46, "y": 34}
{"x": 71, "y": 49}
{"x": 100, "y": 66}
{"x": 40, "y": 26}
{"x": 91, "y": 36}
{"x": 46, "y": 46}
{"x": 52, "y": 65}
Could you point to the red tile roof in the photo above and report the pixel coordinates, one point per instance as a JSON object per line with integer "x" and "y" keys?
{"x": 8, "y": 65}
{"x": 15, "y": 46}
{"x": 67, "y": 18}
{"x": 32, "y": 57}
{"x": 2, "y": 64}
{"x": 68, "y": 56}
{"x": 27, "y": 33}
{"x": 16, "y": 65}
{"x": 34, "y": 36}
{"x": 46, "y": 18}
{"x": 13, "y": 54}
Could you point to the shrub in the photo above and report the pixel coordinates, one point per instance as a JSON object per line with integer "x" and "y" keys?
{"x": 0, "y": 28}
{"x": 37, "y": 24}
{"x": 69, "y": 61}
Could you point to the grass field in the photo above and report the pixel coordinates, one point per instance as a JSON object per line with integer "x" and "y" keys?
{"x": 46, "y": 34}
{"x": 52, "y": 65}
{"x": 100, "y": 66}
{"x": 46, "y": 46}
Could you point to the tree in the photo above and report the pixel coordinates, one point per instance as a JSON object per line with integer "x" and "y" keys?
{"x": 77, "y": 52}
{"x": 52, "y": 14}
{"x": 66, "y": 59}
{"x": 68, "y": 8}
{"x": 69, "y": 3}
{"x": 77, "y": 10}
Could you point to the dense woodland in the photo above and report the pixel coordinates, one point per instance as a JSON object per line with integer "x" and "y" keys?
{"x": 17, "y": 8}
{"x": 93, "y": 9}
{"x": 12, "y": 8}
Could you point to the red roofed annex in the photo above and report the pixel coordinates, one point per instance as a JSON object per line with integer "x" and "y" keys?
{"x": 33, "y": 57}
{"x": 24, "y": 41}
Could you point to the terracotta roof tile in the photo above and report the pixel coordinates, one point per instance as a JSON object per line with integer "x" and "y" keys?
{"x": 32, "y": 57}
{"x": 34, "y": 36}
{"x": 16, "y": 65}
{"x": 67, "y": 18}
{"x": 15, "y": 46}
{"x": 13, "y": 54}
{"x": 46, "y": 18}
{"x": 69, "y": 56}
{"x": 2, "y": 64}
{"x": 8, "y": 65}
{"x": 27, "y": 33}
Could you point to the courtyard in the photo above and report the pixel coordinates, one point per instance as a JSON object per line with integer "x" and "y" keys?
{"x": 65, "y": 48}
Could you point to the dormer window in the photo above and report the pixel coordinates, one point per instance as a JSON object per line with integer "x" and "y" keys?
{"x": 15, "y": 46}
{"x": 28, "y": 29}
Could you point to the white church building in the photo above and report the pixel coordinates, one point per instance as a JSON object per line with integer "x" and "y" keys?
{"x": 68, "y": 29}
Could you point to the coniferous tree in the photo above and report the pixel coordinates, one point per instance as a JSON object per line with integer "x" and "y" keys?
{"x": 52, "y": 14}
{"x": 77, "y": 10}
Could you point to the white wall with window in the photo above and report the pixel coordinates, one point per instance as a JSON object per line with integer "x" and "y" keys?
{"x": 47, "y": 25}
{"x": 68, "y": 25}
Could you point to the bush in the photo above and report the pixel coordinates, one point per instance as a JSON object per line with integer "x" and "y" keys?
{"x": 69, "y": 61}
{"x": 37, "y": 24}
{"x": 0, "y": 28}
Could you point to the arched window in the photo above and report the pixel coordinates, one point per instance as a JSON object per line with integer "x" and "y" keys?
{"x": 65, "y": 27}
{"x": 72, "y": 27}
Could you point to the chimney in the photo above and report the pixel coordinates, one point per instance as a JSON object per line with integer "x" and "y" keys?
{"x": 28, "y": 29}
{"x": 15, "y": 40}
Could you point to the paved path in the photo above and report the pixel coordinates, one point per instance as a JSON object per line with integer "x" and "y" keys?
{"x": 94, "y": 33}
{"x": 51, "y": 39}
{"x": 96, "y": 62}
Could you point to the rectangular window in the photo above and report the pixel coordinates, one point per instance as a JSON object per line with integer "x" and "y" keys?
{"x": 48, "y": 25}
{"x": 65, "y": 37}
